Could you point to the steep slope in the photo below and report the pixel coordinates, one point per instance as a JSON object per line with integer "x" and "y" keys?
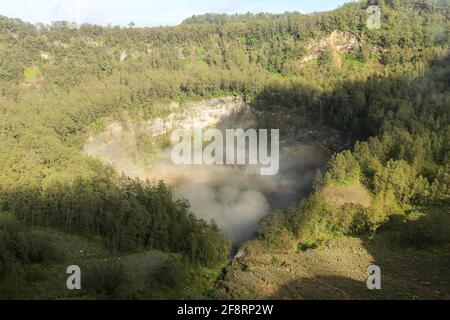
{"x": 387, "y": 87}
{"x": 337, "y": 271}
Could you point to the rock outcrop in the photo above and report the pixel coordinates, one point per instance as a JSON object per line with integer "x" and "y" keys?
{"x": 118, "y": 144}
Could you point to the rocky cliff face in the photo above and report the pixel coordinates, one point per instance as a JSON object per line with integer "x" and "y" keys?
{"x": 202, "y": 114}
{"x": 121, "y": 143}
{"x": 336, "y": 42}
{"x": 129, "y": 146}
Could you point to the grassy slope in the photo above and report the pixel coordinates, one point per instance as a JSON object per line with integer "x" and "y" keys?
{"x": 338, "y": 271}
{"x": 49, "y": 281}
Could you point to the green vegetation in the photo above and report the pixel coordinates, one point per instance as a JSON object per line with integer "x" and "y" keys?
{"x": 177, "y": 279}
{"x": 31, "y": 74}
{"x": 19, "y": 247}
{"x": 388, "y": 89}
{"x": 404, "y": 165}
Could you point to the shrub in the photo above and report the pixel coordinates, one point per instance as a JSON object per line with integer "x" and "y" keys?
{"x": 171, "y": 275}
{"x": 433, "y": 229}
{"x": 275, "y": 234}
{"x": 26, "y": 246}
{"x": 110, "y": 281}
{"x": 383, "y": 207}
{"x": 18, "y": 248}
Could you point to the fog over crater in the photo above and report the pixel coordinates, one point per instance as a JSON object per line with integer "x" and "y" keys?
{"x": 234, "y": 197}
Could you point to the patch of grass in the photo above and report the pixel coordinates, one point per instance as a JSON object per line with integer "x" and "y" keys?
{"x": 340, "y": 195}
{"x": 201, "y": 51}
{"x": 352, "y": 61}
{"x": 31, "y": 73}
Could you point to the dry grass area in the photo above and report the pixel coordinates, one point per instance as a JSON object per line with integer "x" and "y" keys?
{"x": 347, "y": 194}
{"x": 337, "y": 271}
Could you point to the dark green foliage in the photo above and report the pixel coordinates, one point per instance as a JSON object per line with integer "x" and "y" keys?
{"x": 25, "y": 246}
{"x": 173, "y": 275}
{"x": 127, "y": 214}
{"x": 109, "y": 281}
{"x": 428, "y": 230}
{"x": 277, "y": 231}
{"x": 18, "y": 248}
{"x": 401, "y": 166}
{"x": 178, "y": 279}
{"x": 404, "y": 164}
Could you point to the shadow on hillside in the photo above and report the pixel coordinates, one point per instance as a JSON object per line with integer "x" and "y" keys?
{"x": 407, "y": 281}
{"x": 415, "y": 267}
{"x": 414, "y": 261}
{"x": 323, "y": 288}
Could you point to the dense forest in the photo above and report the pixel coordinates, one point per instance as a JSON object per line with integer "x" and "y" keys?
{"x": 401, "y": 157}
{"x": 387, "y": 88}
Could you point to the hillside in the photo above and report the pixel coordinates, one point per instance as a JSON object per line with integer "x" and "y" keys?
{"x": 148, "y": 274}
{"x": 382, "y": 94}
{"x": 337, "y": 271}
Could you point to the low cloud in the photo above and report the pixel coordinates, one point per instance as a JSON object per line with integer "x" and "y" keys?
{"x": 237, "y": 201}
